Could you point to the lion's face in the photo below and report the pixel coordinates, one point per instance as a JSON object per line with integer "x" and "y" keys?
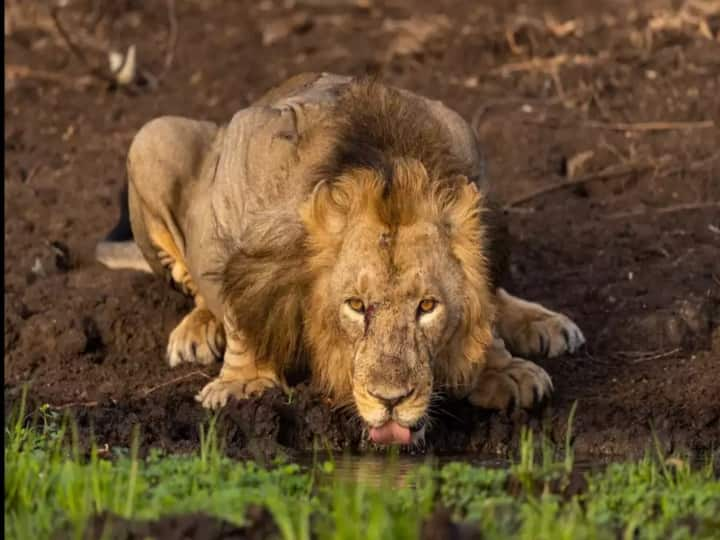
{"x": 391, "y": 315}
{"x": 396, "y": 300}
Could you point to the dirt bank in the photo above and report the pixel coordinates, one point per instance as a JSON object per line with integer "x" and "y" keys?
{"x": 592, "y": 96}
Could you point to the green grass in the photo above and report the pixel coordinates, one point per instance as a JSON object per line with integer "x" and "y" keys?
{"x": 49, "y": 484}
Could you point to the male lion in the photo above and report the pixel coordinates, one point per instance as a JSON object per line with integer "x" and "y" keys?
{"x": 341, "y": 224}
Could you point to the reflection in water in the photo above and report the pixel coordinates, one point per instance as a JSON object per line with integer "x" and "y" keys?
{"x": 390, "y": 469}
{"x": 393, "y": 470}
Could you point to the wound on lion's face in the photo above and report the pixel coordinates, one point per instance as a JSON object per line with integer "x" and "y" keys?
{"x": 369, "y": 312}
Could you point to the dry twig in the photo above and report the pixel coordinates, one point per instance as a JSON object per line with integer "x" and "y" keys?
{"x": 666, "y": 209}
{"x": 552, "y": 64}
{"x": 16, "y": 71}
{"x": 609, "y": 172}
{"x": 643, "y": 356}
{"x": 175, "y": 381}
{"x": 115, "y": 74}
{"x": 620, "y": 170}
{"x": 74, "y": 404}
{"x": 172, "y": 38}
{"x": 652, "y": 126}
{"x": 96, "y": 71}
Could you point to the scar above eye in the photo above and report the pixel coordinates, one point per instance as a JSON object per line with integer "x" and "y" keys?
{"x": 369, "y": 312}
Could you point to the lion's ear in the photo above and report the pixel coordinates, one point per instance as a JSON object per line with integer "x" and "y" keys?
{"x": 463, "y": 208}
{"x": 324, "y": 212}
{"x": 324, "y": 216}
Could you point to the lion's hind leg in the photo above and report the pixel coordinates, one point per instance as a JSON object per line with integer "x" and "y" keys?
{"x": 506, "y": 381}
{"x": 199, "y": 337}
{"x": 165, "y": 160}
{"x": 530, "y": 329}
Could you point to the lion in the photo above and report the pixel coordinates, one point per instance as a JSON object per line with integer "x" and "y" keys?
{"x": 344, "y": 225}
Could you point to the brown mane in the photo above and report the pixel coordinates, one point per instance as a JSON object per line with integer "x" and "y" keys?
{"x": 375, "y": 125}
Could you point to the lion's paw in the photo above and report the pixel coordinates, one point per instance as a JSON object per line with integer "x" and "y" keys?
{"x": 548, "y": 337}
{"x": 217, "y": 393}
{"x": 199, "y": 338}
{"x": 521, "y": 383}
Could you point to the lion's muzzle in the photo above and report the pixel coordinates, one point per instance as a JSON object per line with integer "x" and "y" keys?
{"x": 392, "y": 398}
{"x": 392, "y": 376}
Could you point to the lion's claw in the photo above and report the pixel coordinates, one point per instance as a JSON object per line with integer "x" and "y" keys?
{"x": 550, "y": 337}
{"x": 199, "y": 338}
{"x": 522, "y": 384}
{"x": 216, "y": 393}
{"x": 529, "y": 329}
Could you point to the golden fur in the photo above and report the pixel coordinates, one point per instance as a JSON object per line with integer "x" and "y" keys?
{"x": 452, "y": 207}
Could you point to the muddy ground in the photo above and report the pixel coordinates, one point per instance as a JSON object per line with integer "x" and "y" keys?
{"x": 620, "y": 99}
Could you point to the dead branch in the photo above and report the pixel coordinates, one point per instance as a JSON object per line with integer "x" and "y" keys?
{"x": 96, "y": 71}
{"x": 175, "y": 381}
{"x": 609, "y": 172}
{"x": 122, "y": 74}
{"x": 666, "y": 209}
{"x": 74, "y": 404}
{"x": 620, "y": 170}
{"x": 652, "y": 126}
{"x": 172, "y": 38}
{"x": 552, "y": 64}
{"x": 643, "y": 356}
{"x": 16, "y": 71}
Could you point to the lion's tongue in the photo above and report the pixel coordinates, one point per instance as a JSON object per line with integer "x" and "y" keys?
{"x": 390, "y": 433}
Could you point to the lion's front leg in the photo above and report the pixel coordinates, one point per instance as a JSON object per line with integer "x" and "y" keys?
{"x": 507, "y": 381}
{"x": 199, "y": 338}
{"x": 242, "y": 375}
{"x": 529, "y": 328}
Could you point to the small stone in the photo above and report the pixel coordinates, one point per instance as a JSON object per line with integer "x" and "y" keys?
{"x": 63, "y": 261}
{"x": 37, "y": 268}
{"x": 93, "y": 338}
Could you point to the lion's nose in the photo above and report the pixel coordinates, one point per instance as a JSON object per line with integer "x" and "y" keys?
{"x": 391, "y": 398}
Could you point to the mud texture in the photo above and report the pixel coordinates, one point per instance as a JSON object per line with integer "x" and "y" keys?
{"x": 259, "y": 526}
{"x": 620, "y": 99}
{"x": 440, "y": 526}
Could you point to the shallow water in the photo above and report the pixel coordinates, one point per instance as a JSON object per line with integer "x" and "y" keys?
{"x": 388, "y": 469}
{"x": 391, "y": 469}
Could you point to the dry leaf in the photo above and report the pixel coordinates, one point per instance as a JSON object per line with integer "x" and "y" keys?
{"x": 124, "y": 67}
{"x": 575, "y": 163}
{"x": 413, "y": 33}
{"x": 278, "y": 29}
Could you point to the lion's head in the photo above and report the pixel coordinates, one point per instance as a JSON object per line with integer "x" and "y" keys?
{"x": 399, "y": 303}
{"x": 383, "y": 278}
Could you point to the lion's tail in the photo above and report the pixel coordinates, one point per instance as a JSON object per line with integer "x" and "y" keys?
{"x": 118, "y": 250}
{"x": 121, "y": 255}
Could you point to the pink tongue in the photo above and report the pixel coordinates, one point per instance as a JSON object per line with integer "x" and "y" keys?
{"x": 390, "y": 433}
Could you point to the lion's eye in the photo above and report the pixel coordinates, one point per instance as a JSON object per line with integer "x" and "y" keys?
{"x": 427, "y": 305}
{"x": 356, "y": 305}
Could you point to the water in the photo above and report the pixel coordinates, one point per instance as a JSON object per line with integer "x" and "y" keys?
{"x": 391, "y": 469}
{"x": 378, "y": 469}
